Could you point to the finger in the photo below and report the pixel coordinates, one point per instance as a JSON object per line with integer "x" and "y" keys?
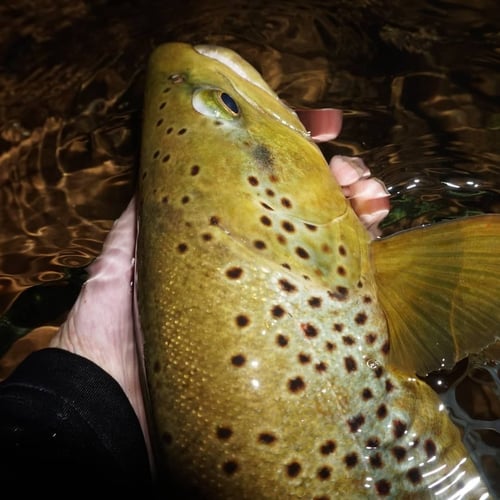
{"x": 348, "y": 170}
{"x": 117, "y": 253}
{"x": 323, "y": 124}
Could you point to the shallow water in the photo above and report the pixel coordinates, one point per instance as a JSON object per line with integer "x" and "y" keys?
{"x": 419, "y": 86}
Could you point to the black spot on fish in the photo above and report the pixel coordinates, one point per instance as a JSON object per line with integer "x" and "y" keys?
{"x": 214, "y": 220}
{"x": 383, "y": 487}
{"x": 164, "y": 199}
{"x": 286, "y": 202}
{"x": 156, "y": 154}
{"x": 360, "y": 318}
{"x": 302, "y": 253}
{"x": 238, "y": 360}
{"x": 351, "y": 460}
{"x": 389, "y": 385}
{"x": 162, "y": 105}
{"x": 372, "y": 443}
{"x": 398, "y": 428}
{"x": 367, "y": 299}
{"x": 324, "y": 473}
{"x": 356, "y": 422}
{"x": 314, "y": 302}
{"x": 341, "y": 293}
{"x": 293, "y": 469}
{"x": 230, "y": 467}
{"x": 223, "y": 433}
{"x": 195, "y": 169}
{"x": 269, "y": 192}
{"x": 287, "y": 286}
{"x": 281, "y": 340}
{"x": 326, "y": 248}
{"x": 342, "y": 250}
{"x": 288, "y": 226}
{"x": 182, "y": 247}
{"x": 266, "y": 438}
{"x": 338, "y": 327}
{"x": 281, "y": 239}
{"x": 265, "y": 220}
{"x": 430, "y": 448}
{"x": 414, "y": 475}
{"x": 253, "y": 180}
{"x": 341, "y": 271}
{"x": 376, "y": 461}
{"x": 309, "y": 330}
{"x": 206, "y": 236}
{"x": 399, "y": 453}
{"x": 263, "y": 156}
{"x": 182, "y": 131}
{"x": 169, "y": 130}
{"x": 321, "y": 367}
{"x": 385, "y": 348}
{"x": 348, "y": 340}
{"x": 304, "y": 358}
{"x": 165, "y": 158}
{"x": 184, "y": 200}
{"x": 259, "y": 244}
{"x": 159, "y": 122}
{"x": 242, "y": 320}
{"x": 367, "y": 394}
{"x": 328, "y": 447}
{"x": 350, "y": 364}
{"x": 382, "y": 411}
{"x": 296, "y": 384}
{"x": 370, "y": 338}
{"x": 277, "y": 311}
{"x": 311, "y": 227}
{"x": 234, "y": 273}
{"x": 330, "y": 346}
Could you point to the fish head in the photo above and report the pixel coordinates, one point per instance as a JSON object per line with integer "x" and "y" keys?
{"x": 219, "y": 142}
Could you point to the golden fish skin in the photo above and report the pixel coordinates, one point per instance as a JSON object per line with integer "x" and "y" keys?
{"x": 264, "y": 343}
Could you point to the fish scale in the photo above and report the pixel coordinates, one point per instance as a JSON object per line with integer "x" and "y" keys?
{"x": 265, "y": 345}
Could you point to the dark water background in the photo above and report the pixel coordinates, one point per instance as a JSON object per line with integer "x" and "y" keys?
{"x": 419, "y": 84}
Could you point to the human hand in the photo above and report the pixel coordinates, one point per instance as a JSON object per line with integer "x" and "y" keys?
{"x": 100, "y": 325}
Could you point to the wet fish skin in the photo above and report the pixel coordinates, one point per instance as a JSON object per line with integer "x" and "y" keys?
{"x": 265, "y": 346}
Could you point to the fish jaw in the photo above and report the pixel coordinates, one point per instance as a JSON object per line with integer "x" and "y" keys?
{"x": 265, "y": 137}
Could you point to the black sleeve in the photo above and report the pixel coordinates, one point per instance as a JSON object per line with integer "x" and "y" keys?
{"x": 64, "y": 420}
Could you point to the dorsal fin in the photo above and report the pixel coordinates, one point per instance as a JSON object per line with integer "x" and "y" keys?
{"x": 439, "y": 287}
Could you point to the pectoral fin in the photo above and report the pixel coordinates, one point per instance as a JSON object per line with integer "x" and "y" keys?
{"x": 440, "y": 289}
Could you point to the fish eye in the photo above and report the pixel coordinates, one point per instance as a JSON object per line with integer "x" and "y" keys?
{"x": 229, "y": 102}
{"x": 216, "y": 103}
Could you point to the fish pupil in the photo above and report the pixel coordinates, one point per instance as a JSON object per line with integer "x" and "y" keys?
{"x": 229, "y": 102}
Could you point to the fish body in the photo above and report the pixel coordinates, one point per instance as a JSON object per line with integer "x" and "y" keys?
{"x": 266, "y": 347}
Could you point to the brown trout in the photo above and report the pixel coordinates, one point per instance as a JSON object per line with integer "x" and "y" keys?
{"x": 281, "y": 342}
